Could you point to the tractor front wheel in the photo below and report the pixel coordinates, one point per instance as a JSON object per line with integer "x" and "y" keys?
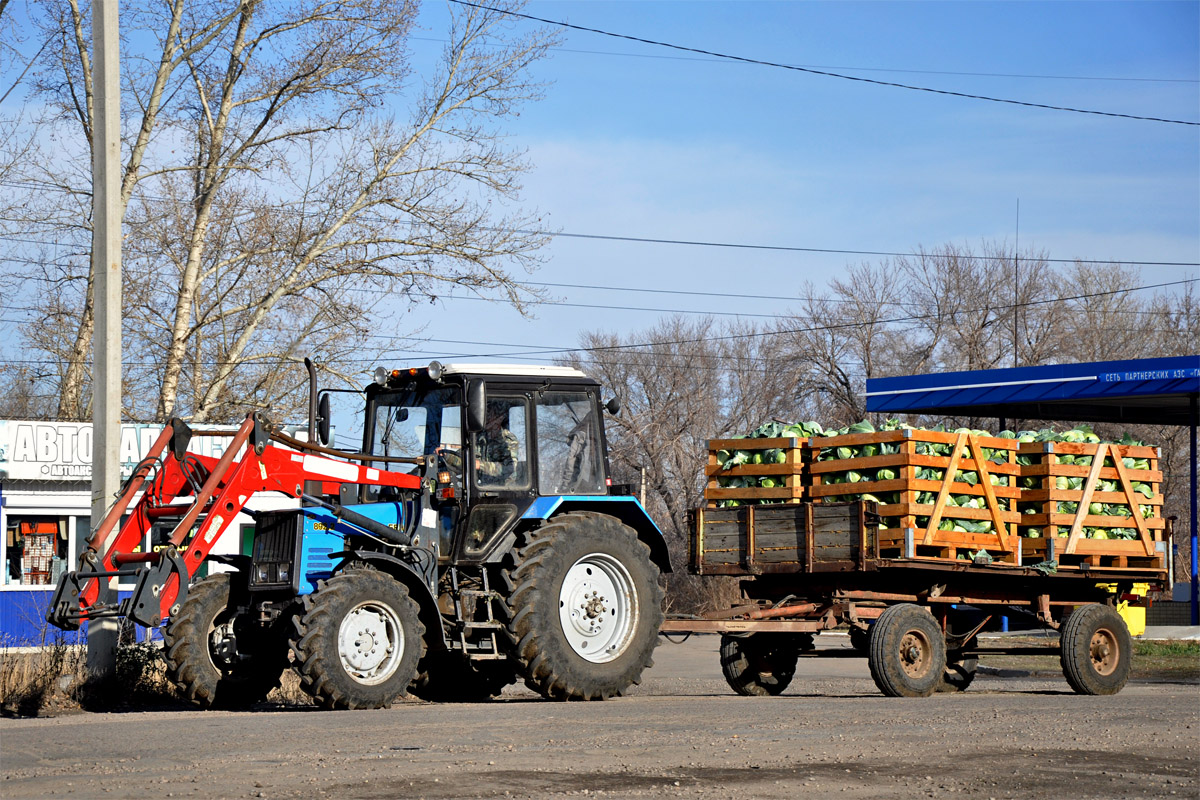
{"x": 358, "y": 641}
{"x": 218, "y": 657}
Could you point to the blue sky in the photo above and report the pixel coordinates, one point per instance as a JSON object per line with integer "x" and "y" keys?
{"x": 636, "y": 140}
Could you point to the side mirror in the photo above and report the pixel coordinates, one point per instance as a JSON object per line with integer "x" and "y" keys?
{"x": 323, "y": 418}
{"x": 475, "y": 407}
{"x": 613, "y": 406}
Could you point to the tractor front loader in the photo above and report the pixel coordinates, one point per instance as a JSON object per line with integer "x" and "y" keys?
{"x": 217, "y": 652}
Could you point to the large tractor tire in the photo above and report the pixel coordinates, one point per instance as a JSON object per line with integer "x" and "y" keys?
{"x": 1096, "y": 650}
{"x": 216, "y": 657}
{"x": 450, "y": 678}
{"x": 908, "y": 652}
{"x": 358, "y": 641}
{"x": 760, "y": 664}
{"x": 584, "y": 608}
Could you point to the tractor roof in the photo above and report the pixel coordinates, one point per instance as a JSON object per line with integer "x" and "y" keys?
{"x": 512, "y": 370}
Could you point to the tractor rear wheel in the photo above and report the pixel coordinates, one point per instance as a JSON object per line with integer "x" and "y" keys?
{"x": 358, "y": 641}
{"x": 217, "y": 657}
{"x": 584, "y": 607}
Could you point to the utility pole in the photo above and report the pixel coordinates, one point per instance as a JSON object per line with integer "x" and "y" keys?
{"x": 1017, "y": 288}
{"x": 106, "y": 338}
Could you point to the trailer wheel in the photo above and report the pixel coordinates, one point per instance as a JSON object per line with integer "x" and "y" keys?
{"x": 358, "y": 640}
{"x": 958, "y": 674}
{"x": 584, "y": 609}
{"x": 1096, "y": 650}
{"x": 760, "y": 664}
{"x": 860, "y": 639}
{"x": 908, "y": 652}
{"x": 216, "y": 657}
{"x": 449, "y": 678}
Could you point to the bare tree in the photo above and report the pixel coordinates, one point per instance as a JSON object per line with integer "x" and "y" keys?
{"x": 273, "y": 200}
{"x": 685, "y": 382}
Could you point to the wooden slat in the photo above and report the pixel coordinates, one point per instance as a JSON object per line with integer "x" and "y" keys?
{"x": 1089, "y": 487}
{"x": 985, "y": 481}
{"x": 939, "y": 506}
{"x": 1134, "y": 507}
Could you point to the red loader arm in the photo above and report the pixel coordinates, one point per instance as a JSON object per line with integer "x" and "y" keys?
{"x": 216, "y": 490}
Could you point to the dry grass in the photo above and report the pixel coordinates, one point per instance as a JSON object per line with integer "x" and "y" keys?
{"x": 32, "y": 681}
{"x": 53, "y": 678}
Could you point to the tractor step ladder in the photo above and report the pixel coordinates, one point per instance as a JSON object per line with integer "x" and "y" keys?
{"x": 468, "y": 601}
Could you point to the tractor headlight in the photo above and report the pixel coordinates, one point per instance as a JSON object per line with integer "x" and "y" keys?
{"x": 436, "y": 370}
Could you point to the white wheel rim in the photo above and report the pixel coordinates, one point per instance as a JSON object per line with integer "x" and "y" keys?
{"x": 370, "y": 643}
{"x": 598, "y": 608}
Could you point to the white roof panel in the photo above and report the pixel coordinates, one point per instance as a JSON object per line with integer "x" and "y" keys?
{"x": 532, "y": 370}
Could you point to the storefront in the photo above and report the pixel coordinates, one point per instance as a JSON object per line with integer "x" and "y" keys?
{"x": 45, "y": 513}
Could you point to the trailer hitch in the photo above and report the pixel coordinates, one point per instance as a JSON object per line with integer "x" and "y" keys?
{"x": 142, "y": 606}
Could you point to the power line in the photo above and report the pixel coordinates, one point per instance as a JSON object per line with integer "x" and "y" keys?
{"x": 638, "y": 239}
{"x": 859, "y": 69}
{"x": 792, "y": 249}
{"x": 756, "y": 334}
{"x": 811, "y": 71}
{"x": 838, "y": 326}
{"x": 769, "y": 247}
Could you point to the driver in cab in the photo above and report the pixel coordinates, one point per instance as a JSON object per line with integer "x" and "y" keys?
{"x": 497, "y": 447}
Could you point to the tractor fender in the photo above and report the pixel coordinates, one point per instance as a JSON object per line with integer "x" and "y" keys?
{"x": 406, "y": 574}
{"x": 624, "y": 508}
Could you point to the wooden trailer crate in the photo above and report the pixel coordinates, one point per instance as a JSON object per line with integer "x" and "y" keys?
{"x": 910, "y": 528}
{"x": 1063, "y": 537}
{"x": 790, "y": 472}
{"x": 783, "y": 537}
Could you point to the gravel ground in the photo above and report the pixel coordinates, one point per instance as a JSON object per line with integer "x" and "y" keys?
{"x": 682, "y": 733}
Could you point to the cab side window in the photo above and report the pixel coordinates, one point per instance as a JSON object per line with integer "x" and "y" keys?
{"x": 570, "y": 459}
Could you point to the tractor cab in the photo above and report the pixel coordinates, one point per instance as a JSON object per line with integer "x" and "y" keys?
{"x": 501, "y": 437}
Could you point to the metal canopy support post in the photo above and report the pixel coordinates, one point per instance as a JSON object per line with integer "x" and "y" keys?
{"x": 106, "y": 337}
{"x": 1192, "y": 451}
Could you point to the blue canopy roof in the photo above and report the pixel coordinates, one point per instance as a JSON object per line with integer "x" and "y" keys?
{"x": 1149, "y": 390}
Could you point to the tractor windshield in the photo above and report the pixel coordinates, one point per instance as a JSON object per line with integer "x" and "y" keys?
{"x": 415, "y": 422}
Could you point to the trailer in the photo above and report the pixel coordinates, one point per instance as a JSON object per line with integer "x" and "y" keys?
{"x": 811, "y": 567}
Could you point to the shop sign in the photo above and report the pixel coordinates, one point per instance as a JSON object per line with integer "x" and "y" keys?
{"x": 62, "y": 451}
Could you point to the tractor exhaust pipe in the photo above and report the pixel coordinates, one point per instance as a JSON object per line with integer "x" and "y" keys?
{"x": 312, "y": 399}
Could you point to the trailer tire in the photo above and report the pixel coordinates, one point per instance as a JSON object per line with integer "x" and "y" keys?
{"x": 358, "y": 640}
{"x": 1095, "y": 650}
{"x": 958, "y": 674}
{"x": 908, "y": 652}
{"x": 585, "y": 607}
{"x": 860, "y": 639}
{"x": 760, "y": 664}
{"x": 204, "y": 659}
{"x": 447, "y": 677}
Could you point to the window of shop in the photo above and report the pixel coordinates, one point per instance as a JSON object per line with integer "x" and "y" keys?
{"x": 35, "y": 550}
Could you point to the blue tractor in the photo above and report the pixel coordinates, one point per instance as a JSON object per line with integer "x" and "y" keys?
{"x": 476, "y": 539}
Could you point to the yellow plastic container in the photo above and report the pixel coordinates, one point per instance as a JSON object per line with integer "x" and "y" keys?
{"x": 1134, "y": 616}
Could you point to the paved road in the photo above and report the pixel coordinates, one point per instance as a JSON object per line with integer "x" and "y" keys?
{"x": 680, "y": 734}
